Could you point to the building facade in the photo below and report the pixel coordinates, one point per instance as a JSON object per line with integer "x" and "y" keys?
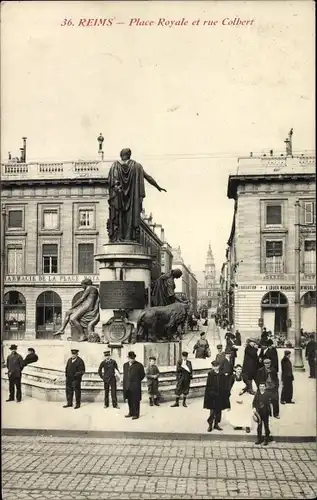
{"x": 187, "y": 285}
{"x": 208, "y": 289}
{"x": 55, "y": 217}
{"x": 166, "y": 249}
{"x": 258, "y": 276}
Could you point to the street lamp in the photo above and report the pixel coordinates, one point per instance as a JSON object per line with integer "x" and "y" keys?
{"x": 298, "y": 363}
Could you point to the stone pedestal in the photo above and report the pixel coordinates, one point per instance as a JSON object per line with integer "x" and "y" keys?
{"x": 125, "y": 280}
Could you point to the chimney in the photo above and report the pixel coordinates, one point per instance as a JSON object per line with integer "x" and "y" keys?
{"x": 22, "y": 156}
{"x": 9, "y": 155}
{"x": 271, "y": 152}
{"x": 162, "y": 235}
{"x": 289, "y": 143}
{"x": 24, "y": 149}
{"x": 251, "y": 154}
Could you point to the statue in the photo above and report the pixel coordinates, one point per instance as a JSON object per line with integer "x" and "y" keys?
{"x": 126, "y": 193}
{"x": 163, "y": 292}
{"x": 84, "y": 314}
{"x": 162, "y": 323}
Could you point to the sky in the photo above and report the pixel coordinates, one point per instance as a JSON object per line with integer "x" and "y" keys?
{"x": 188, "y": 100}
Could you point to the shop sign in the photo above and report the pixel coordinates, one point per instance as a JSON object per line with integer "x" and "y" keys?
{"x": 52, "y": 279}
{"x": 272, "y": 288}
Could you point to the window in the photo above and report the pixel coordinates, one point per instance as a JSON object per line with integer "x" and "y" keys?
{"x": 274, "y": 257}
{"x": 85, "y": 258}
{"x": 50, "y": 259}
{"x": 86, "y": 218}
{"x": 310, "y": 212}
{"x": 48, "y": 314}
{"x": 310, "y": 257}
{"x": 273, "y": 215}
{"x": 15, "y": 219}
{"x": 50, "y": 219}
{"x": 14, "y": 260}
{"x": 14, "y": 315}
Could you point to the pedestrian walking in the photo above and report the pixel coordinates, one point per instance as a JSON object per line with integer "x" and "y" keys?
{"x": 220, "y": 356}
{"x": 184, "y": 374}
{"x": 268, "y": 376}
{"x": 272, "y": 354}
{"x": 262, "y": 412}
{"x": 15, "y": 366}
{"x": 239, "y": 415}
{"x": 250, "y": 364}
{"x": 287, "y": 379}
{"x": 152, "y": 376}
{"x": 133, "y": 374}
{"x": 310, "y": 354}
{"x": 201, "y": 348}
{"x": 108, "y": 371}
{"x": 31, "y": 357}
{"x": 213, "y": 398}
{"x": 74, "y": 371}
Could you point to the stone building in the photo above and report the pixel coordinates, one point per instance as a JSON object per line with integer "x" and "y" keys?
{"x": 187, "y": 285}
{"x": 208, "y": 287}
{"x": 55, "y": 218}
{"x": 166, "y": 249}
{"x": 258, "y": 277}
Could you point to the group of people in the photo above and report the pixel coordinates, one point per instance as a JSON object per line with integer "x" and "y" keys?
{"x": 15, "y": 364}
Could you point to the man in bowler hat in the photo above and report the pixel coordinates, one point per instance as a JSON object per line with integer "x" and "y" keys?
{"x": 107, "y": 371}
{"x": 133, "y": 374}
{"x": 15, "y": 366}
{"x": 74, "y": 371}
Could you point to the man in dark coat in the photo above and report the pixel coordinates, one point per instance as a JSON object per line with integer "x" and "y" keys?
{"x": 133, "y": 374}
{"x": 214, "y": 399}
{"x": 268, "y": 376}
{"x": 184, "y": 374}
{"x": 220, "y": 356}
{"x": 268, "y": 352}
{"x": 31, "y": 357}
{"x": 74, "y": 371}
{"x": 250, "y": 363}
{"x": 262, "y": 411}
{"x": 226, "y": 370}
{"x": 287, "y": 378}
{"x": 310, "y": 354}
{"x": 107, "y": 371}
{"x": 15, "y": 366}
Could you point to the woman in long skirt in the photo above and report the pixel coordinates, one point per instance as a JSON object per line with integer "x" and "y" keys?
{"x": 240, "y": 414}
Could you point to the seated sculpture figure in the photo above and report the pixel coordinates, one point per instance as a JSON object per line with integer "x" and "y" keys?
{"x": 84, "y": 314}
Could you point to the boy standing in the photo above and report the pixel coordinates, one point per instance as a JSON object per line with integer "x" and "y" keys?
{"x": 152, "y": 375}
{"x": 262, "y": 412}
{"x": 108, "y": 371}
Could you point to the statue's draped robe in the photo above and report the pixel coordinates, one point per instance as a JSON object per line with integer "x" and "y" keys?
{"x": 125, "y": 204}
{"x": 163, "y": 292}
{"x": 89, "y": 308}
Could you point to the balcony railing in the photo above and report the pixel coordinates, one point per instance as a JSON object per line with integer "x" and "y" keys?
{"x": 274, "y": 267}
{"x": 310, "y": 267}
{"x": 56, "y": 170}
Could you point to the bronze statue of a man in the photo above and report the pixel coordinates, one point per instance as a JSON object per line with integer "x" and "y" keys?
{"x": 126, "y": 193}
{"x": 84, "y": 314}
{"x": 163, "y": 292}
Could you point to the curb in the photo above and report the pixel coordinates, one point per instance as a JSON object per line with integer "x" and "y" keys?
{"x": 177, "y": 436}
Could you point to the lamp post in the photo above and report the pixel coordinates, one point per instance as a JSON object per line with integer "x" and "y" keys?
{"x": 2, "y": 273}
{"x": 298, "y": 363}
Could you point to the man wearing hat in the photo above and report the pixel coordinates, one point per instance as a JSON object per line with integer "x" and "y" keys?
{"x": 133, "y": 374}
{"x": 214, "y": 397}
{"x": 15, "y": 367}
{"x": 108, "y": 370}
{"x": 287, "y": 379}
{"x": 268, "y": 376}
{"x": 226, "y": 370}
{"x": 250, "y": 363}
{"x": 74, "y": 371}
{"x": 184, "y": 374}
{"x": 220, "y": 357}
{"x": 261, "y": 413}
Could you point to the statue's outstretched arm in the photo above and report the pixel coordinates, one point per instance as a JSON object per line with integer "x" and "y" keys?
{"x": 152, "y": 181}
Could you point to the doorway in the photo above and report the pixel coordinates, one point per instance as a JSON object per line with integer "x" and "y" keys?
{"x": 274, "y": 307}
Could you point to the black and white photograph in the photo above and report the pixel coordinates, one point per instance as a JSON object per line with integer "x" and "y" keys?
{"x": 158, "y": 250}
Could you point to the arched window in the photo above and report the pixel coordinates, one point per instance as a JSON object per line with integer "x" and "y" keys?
{"x": 48, "y": 314}
{"x": 14, "y": 315}
{"x": 309, "y": 299}
{"x": 274, "y": 299}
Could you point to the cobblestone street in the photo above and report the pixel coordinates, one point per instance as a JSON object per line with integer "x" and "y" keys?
{"x": 95, "y": 469}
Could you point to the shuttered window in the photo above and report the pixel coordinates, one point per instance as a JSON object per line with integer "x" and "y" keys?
{"x": 85, "y": 258}
{"x": 273, "y": 215}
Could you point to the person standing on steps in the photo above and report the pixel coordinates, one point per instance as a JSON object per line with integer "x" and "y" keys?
{"x": 262, "y": 412}
{"x": 250, "y": 364}
{"x": 152, "y": 376}
{"x": 268, "y": 376}
{"x": 15, "y": 366}
{"x": 184, "y": 374}
{"x": 214, "y": 397}
{"x": 133, "y": 374}
{"x": 201, "y": 348}
{"x": 74, "y": 371}
{"x": 108, "y": 371}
